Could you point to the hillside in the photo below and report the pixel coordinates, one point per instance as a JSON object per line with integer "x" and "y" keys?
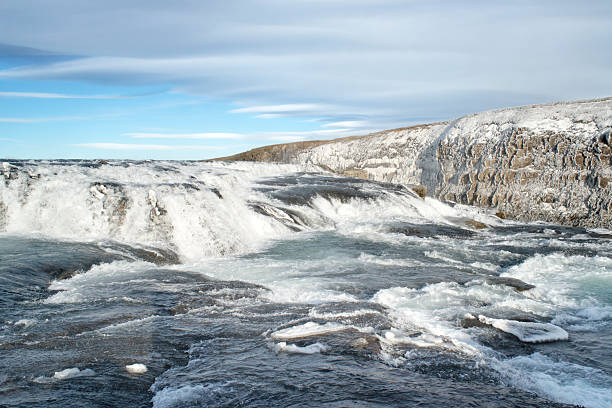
{"x": 548, "y": 162}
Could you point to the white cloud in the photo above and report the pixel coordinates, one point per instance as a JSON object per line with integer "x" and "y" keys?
{"x": 287, "y": 139}
{"x": 210, "y": 135}
{"x": 57, "y": 118}
{"x": 347, "y": 124}
{"x": 43, "y": 95}
{"x": 380, "y": 61}
{"x": 127, "y": 146}
{"x": 19, "y": 120}
{"x": 279, "y": 109}
{"x": 291, "y": 136}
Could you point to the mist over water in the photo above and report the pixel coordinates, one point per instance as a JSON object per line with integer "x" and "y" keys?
{"x": 179, "y": 284}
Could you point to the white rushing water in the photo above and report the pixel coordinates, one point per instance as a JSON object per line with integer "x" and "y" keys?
{"x": 336, "y": 264}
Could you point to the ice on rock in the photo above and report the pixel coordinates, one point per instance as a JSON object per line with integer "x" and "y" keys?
{"x": 527, "y": 332}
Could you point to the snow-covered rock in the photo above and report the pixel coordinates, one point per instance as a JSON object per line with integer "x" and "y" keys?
{"x": 547, "y": 162}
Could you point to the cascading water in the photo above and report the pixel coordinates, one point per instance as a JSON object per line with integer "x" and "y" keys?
{"x": 234, "y": 284}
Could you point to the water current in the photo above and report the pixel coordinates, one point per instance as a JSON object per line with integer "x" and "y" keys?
{"x": 194, "y": 284}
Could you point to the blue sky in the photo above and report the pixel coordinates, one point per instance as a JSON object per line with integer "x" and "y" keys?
{"x": 200, "y": 79}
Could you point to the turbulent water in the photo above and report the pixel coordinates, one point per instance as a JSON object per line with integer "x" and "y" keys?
{"x": 184, "y": 284}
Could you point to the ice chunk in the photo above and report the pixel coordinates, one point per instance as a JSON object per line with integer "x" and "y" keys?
{"x": 137, "y": 368}
{"x": 528, "y": 332}
{"x": 292, "y": 348}
{"x": 72, "y": 373}
{"x": 307, "y": 330}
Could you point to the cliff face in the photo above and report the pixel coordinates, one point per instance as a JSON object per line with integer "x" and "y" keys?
{"x": 548, "y": 162}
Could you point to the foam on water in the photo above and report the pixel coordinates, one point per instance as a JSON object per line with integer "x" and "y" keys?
{"x": 558, "y": 380}
{"x": 171, "y": 397}
{"x": 25, "y": 323}
{"x": 96, "y": 283}
{"x": 66, "y": 374}
{"x": 322, "y": 315}
{"x": 187, "y": 205}
{"x": 561, "y": 279}
{"x": 419, "y": 292}
{"x": 191, "y": 207}
{"x": 423, "y": 317}
{"x": 292, "y": 348}
{"x": 428, "y": 317}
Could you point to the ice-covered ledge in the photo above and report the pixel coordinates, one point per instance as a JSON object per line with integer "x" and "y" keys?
{"x": 547, "y": 162}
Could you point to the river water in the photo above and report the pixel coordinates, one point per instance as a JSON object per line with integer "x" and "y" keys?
{"x": 189, "y": 284}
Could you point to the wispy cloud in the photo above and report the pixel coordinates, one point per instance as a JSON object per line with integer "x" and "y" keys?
{"x": 7, "y": 139}
{"x": 347, "y": 124}
{"x": 391, "y": 59}
{"x": 44, "y": 95}
{"x": 20, "y": 120}
{"x": 280, "y": 109}
{"x": 291, "y": 136}
{"x": 142, "y": 147}
{"x": 59, "y": 118}
{"x": 209, "y": 135}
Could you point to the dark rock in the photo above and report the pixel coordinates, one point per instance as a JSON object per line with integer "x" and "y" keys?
{"x": 517, "y": 284}
{"x": 420, "y": 190}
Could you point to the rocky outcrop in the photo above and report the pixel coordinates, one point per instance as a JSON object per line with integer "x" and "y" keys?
{"x": 548, "y": 162}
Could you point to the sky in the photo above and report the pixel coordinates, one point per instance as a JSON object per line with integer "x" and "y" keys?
{"x": 195, "y": 79}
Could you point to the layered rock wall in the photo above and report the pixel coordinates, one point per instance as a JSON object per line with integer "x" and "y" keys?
{"x": 546, "y": 162}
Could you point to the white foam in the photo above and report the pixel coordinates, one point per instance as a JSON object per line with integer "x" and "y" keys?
{"x": 292, "y": 348}
{"x": 311, "y": 292}
{"x": 338, "y": 315}
{"x": 95, "y": 283}
{"x": 565, "y": 286}
{"x": 168, "y": 204}
{"x": 559, "y": 381}
{"x": 528, "y": 332}
{"x": 426, "y": 317}
{"x": 437, "y": 255}
{"x": 137, "y": 368}
{"x": 25, "y": 323}
{"x": 378, "y": 260}
{"x": 170, "y": 397}
{"x": 307, "y": 330}
{"x": 560, "y": 278}
{"x": 485, "y": 265}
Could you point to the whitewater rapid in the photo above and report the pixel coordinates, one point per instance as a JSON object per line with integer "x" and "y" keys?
{"x": 262, "y": 271}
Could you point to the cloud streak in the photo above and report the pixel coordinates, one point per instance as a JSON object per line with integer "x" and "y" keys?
{"x": 44, "y": 95}
{"x": 59, "y": 118}
{"x": 142, "y": 147}
{"x": 210, "y": 135}
{"x": 20, "y": 120}
{"x": 350, "y": 64}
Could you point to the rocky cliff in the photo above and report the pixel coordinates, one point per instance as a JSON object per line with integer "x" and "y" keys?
{"x": 548, "y": 162}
